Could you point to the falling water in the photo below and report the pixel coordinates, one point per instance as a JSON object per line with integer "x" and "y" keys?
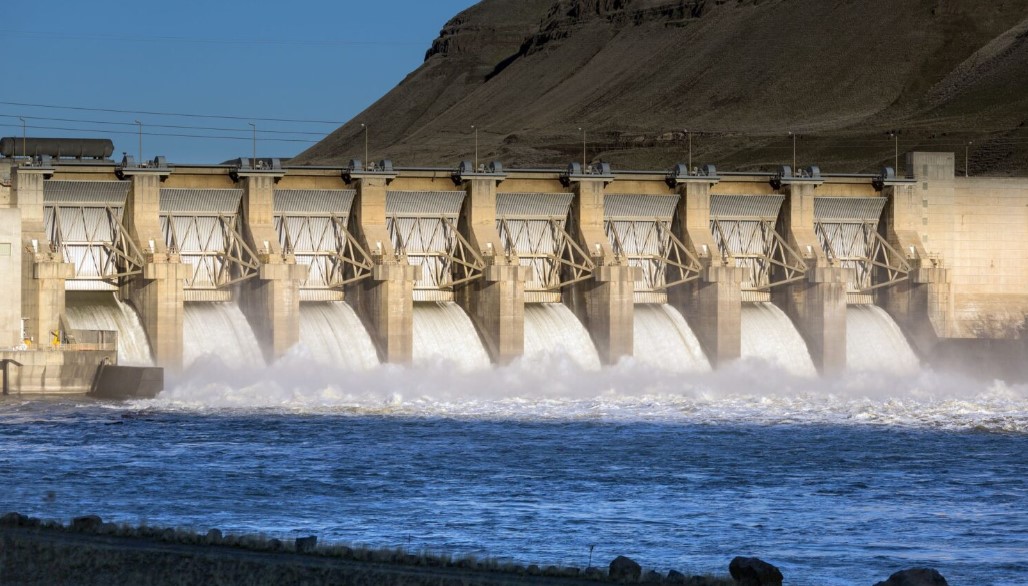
{"x": 664, "y": 340}
{"x": 443, "y": 332}
{"x": 103, "y": 311}
{"x": 335, "y": 336}
{"x": 874, "y": 342}
{"x": 552, "y": 329}
{"x": 768, "y": 334}
{"x": 221, "y": 331}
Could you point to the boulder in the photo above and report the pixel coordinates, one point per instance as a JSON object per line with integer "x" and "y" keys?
{"x": 14, "y": 519}
{"x": 915, "y": 577}
{"x": 675, "y": 577}
{"x": 754, "y": 572}
{"x": 306, "y": 544}
{"x": 214, "y": 537}
{"x": 86, "y": 523}
{"x": 653, "y": 577}
{"x": 625, "y": 569}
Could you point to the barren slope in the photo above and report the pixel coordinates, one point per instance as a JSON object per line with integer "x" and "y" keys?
{"x": 740, "y": 74}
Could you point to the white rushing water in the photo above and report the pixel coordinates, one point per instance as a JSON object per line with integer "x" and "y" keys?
{"x": 768, "y": 334}
{"x": 552, "y": 331}
{"x": 220, "y": 332}
{"x": 335, "y": 336}
{"x": 103, "y": 311}
{"x": 664, "y": 340}
{"x": 444, "y": 333}
{"x": 875, "y": 342}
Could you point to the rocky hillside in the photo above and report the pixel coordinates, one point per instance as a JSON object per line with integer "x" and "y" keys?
{"x": 740, "y": 75}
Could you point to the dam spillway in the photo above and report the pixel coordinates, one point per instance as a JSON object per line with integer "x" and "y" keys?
{"x": 552, "y": 330}
{"x": 334, "y": 336}
{"x": 588, "y": 262}
{"x": 219, "y": 331}
{"x": 444, "y": 333}
{"x": 769, "y": 335}
{"x": 97, "y": 310}
{"x": 664, "y": 340}
{"x": 874, "y": 342}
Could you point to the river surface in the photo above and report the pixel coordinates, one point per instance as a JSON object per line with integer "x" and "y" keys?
{"x": 840, "y": 481}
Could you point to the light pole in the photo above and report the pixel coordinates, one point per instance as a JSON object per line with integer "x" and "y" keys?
{"x": 583, "y": 149}
{"x": 140, "y": 124}
{"x": 475, "y": 128}
{"x": 23, "y": 139}
{"x": 793, "y": 135}
{"x": 365, "y": 127}
{"x": 896, "y": 146}
{"x": 967, "y": 147}
{"x": 254, "y": 128}
{"x": 689, "y": 136}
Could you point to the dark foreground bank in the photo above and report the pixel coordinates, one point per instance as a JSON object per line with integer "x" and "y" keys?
{"x": 89, "y": 552}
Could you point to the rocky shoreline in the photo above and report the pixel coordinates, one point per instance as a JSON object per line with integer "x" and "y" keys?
{"x": 89, "y": 551}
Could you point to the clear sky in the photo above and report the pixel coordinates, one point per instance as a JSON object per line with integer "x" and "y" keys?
{"x": 309, "y": 60}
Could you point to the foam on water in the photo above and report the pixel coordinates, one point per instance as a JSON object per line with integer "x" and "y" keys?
{"x": 554, "y": 334}
{"x": 746, "y": 392}
{"x": 769, "y": 335}
{"x": 444, "y": 333}
{"x": 335, "y": 336}
{"x": 103, "y": 311}
{"x": 219, "y": 332}
{"x": 874, "y": 342}
{"x": 664, "y": 340}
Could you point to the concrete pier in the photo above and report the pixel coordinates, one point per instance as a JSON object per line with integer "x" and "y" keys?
{"x": 713, "y": 302}
{"x": 496, "y": 301}
{"x": 385, "y": 301}
{"x": 605, "y": 302}
{"x": 816, "y": 304}
{"x": 159, "y": 293}
{"x": 271, "y": 300}
{"x": 44, "y": 270}
{"x": 922, "y": 304}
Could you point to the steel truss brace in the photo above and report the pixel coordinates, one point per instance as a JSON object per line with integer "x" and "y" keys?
{"x": 673, "y": 254}
{"x": 459, "y": 262}
{"x": 865, "y": 250}
{"x": 234, "y": 255}
{"x": 774, "y": 251}
{"x": 565, "y": 253}
{"x": 114, "y": 259}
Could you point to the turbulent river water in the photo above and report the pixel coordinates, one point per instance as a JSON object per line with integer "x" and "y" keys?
{"x": 836, "y": 481}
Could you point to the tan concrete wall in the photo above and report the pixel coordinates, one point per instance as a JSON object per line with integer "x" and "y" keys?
{"x": 977, "y": 229}
{"x": 55, "y": 371}
{"x": 988, "y": 255}
{"x": 10, "y": 276}
{"x": 5, "y": 182}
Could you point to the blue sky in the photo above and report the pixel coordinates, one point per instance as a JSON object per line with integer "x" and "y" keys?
{"x": 301, "y": 60}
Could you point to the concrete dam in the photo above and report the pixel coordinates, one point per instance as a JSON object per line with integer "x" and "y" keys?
{"x": 151, "y": 263}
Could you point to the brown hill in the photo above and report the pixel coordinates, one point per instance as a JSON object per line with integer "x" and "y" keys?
{"x": 739, "y": 74}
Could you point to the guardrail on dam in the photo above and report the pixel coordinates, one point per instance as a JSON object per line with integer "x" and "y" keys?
{"x": 945, "y": 256}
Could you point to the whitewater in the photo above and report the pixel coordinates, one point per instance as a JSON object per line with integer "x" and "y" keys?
{"x": 837, "y": 480}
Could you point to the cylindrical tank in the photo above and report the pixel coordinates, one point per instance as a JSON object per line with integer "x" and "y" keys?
{"x": 79, "y": 148}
